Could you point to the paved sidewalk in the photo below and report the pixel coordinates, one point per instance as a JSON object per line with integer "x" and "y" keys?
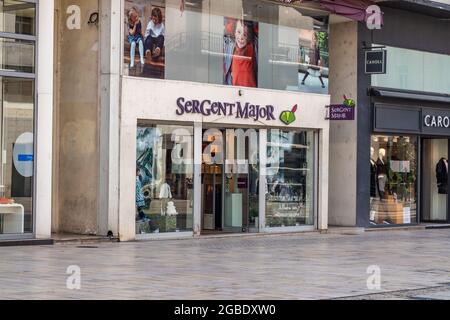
{"x": 414, "y": 265}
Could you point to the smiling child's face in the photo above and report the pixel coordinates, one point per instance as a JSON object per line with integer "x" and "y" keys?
{"x": 155, "y": 19}
{"x": 134, "y": 17}
{"x": 241, "y": 35}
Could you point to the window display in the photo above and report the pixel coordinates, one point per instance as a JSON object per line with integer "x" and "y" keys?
{"x": 17, "y": 156}
{"x": 164, "y": 179}
{"x": 435, "y": 180}
{"x": 290, "y": 178}
{"x": 227, "y": 42}
{"x": 17, "y": 108}
{"x": 393, "y": 179}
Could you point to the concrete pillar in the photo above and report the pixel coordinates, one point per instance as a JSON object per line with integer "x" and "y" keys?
{"x": 77, "y": 105}
{"x": 44, "y": 114}
{"x": 110, "y": 62}
{"x": 343, "y": 46}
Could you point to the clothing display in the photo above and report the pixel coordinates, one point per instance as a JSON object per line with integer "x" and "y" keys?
{"x": 165, "y": 192}
{"x": 442, "y": 176}
{"x": 140, "y": 199}
{"x": 373, "y": 178}
{"x": 382, "y": 176}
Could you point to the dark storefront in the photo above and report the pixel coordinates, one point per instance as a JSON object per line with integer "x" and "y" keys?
{"x": 409, "y": 154}
{"x": 404, "y": 122}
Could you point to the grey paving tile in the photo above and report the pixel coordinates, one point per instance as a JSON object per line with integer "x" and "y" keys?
{"x": 276, "y": 267}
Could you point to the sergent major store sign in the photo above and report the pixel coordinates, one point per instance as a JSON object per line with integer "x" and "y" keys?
{"x": 237, "y": 110}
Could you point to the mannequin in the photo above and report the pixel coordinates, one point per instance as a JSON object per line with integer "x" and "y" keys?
{"x": 373, "y": 174}
{"x": 382, "y": 172}
{"x": 442, "y": 176}
{"x": 164, "y": 195}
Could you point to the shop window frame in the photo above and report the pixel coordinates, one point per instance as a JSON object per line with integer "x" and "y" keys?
{"x": 24, "y": 75}
{"x": 418, "y": 149}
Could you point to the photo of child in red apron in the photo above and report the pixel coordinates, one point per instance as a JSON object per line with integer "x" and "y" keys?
{"x": 240, "y": 53}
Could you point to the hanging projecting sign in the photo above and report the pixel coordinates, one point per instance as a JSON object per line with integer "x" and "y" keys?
{"x": 345, "y": 111}
{"x": 376, "y": 61}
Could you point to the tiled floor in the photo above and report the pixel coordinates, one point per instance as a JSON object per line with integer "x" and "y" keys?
{"x": 305, "y": 266}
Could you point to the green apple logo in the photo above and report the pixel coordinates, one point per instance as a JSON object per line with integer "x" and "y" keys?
{"x": 288, "y": 117}
{"x": 350, "y": 103}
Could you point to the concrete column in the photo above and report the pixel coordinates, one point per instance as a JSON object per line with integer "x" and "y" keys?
{"x": 110, "y": 52}
{"x": 198, "y": 139}
{"x": 343, "y": 134}
{"x": 44, "y": 114}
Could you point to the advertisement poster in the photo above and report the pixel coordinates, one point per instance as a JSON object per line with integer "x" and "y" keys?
{"x": 314, "y": 58}
{"x": 240, "y": 53}
{"x": 144, "y": 52}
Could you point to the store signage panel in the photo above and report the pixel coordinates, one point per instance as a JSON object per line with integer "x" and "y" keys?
{"x": 237, "y": 110}
{"x": 376, "y": 61}
{"x": 436, "y": 122}
{"x": 392, "y": 118}
{"x": 341, "y": 112}
{"x": 412, "y": 120}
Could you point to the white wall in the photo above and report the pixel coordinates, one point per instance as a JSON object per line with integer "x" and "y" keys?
{"x": 44, "y": 114}
{"x": 156, "y": 100}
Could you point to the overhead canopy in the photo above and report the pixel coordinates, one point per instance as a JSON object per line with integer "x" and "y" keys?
{"x": 352, "y": 9}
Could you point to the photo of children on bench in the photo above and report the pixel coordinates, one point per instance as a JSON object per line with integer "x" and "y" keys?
{"x": 144, "y": 52}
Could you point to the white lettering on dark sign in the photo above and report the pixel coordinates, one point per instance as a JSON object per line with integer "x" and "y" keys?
{"x": 437, "y": 121}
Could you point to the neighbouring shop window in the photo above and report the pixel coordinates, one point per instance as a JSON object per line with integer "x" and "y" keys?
{"x": 435, "y": 180}
{"x": 229, "y": 42}
{"x": 18, "y": 17}
{"x": 415, "y": 70}
{"x": 290, "y": 178}
{"x": 17, "y": 36}
{"x": 393, "y": 182}
{"x": 17, "y": 155}
{"x": 164, "y": 179}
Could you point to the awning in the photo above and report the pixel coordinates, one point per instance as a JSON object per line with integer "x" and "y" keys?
{"x": 408, "y": 94}
{"x": 352, "y": 9}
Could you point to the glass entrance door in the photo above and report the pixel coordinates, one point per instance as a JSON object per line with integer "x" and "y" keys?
{"x": 230, "y": 179}
{"x": 212, "y": 197}
{"x": 435, "y": 180}
{"x": 241, "y": 179}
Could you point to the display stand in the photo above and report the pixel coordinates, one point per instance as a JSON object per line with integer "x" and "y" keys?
{"x": 13, "y": 216}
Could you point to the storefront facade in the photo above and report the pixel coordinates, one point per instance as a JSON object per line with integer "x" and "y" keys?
{"x": 201, "y": 174}
{"x": 26, "y": 111}
{"x": 400, "y": 165}
{"x": 416, "y": 150}
{"x": 206, "y": 148}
